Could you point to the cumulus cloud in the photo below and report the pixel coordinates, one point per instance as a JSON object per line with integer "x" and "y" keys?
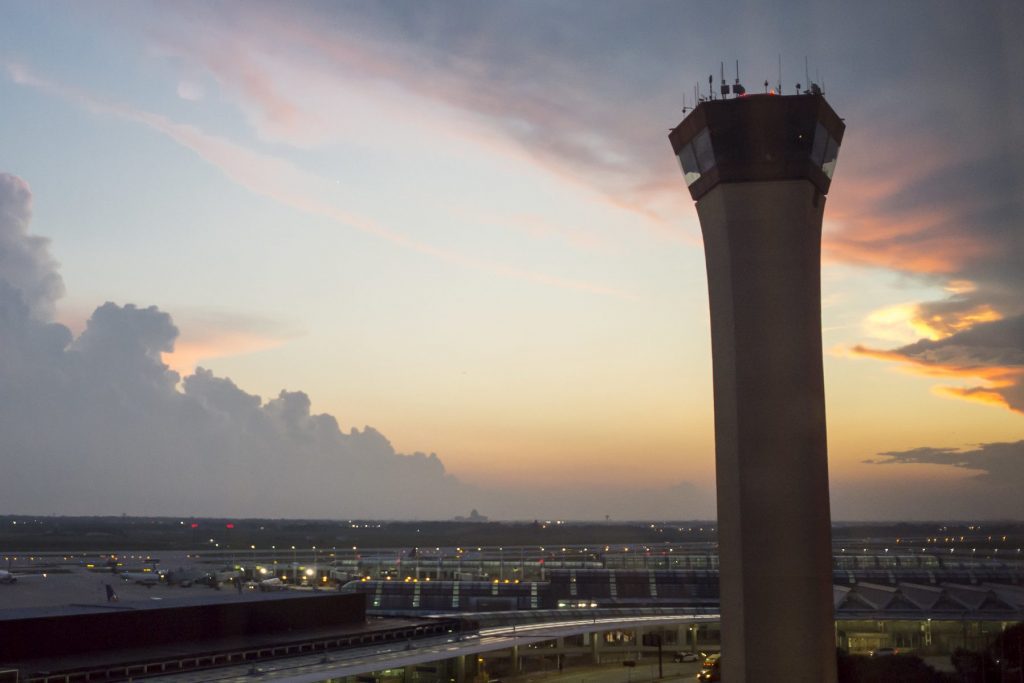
{"x": 25, "y": 261}
{"x": 99, "y": 424}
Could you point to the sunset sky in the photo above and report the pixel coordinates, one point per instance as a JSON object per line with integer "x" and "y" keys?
{"x": 461, "y": 224}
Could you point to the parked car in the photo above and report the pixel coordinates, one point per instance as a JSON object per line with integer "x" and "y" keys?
{"x": 885, "y": 652}
{"x": 685, "y": 657}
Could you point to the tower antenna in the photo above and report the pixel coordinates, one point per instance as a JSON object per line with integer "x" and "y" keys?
{"x": 778, "y": 85}
{"x": 723, "y": 88}
{"x": 738, "y": 89}
{"x": 807, "y": 73}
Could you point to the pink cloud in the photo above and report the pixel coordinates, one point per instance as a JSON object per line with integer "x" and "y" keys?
{"x": 279, "y": 82}
{"x": 284, "y": 182}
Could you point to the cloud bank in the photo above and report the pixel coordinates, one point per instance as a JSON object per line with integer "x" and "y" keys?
{"x": 99, "y": 424}
{"x": 917, "y": 194}
{"x": 989, "y": 352}
{"x": 994, "y": 489}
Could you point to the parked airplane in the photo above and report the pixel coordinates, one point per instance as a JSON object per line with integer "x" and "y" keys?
{"x": 274, "y": 584}
{"x": 142, "y": 578}
{"x": 8, "y": 577}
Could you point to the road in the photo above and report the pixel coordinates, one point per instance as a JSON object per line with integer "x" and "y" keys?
{"x": 320, "y": 667}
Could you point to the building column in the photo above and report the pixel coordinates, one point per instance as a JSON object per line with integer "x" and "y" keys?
{"x": 595, "y": 647}
{"x": 460, "y": 669}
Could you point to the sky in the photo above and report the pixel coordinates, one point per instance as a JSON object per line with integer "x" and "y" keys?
{"x": 407, "y": 259}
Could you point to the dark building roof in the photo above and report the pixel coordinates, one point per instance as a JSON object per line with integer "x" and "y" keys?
{"x": 48, "y": 632}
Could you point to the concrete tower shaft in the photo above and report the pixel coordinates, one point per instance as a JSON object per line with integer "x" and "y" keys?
{"x": 758, "y": 168}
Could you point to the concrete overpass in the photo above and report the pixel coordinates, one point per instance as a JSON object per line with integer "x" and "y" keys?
{"x": 459, "y": 652}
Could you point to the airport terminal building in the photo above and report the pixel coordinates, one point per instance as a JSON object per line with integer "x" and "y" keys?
{"x": 457, "y": 618}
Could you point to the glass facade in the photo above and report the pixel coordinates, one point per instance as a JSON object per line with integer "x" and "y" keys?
{"x": 697, "y": 157}
{"x": 831, "y": 153}
{"x": 702, "y": 148}
{"x": 824, "y": 151}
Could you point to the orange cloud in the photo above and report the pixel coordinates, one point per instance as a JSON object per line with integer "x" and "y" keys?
{"x": 909, "y": 322}
{"x": 892, "y": 206}
{"x": 188, "y": 352}
{"x": 916, "y": 242}
{"x": 1001, "y": 385}
{"x": 978, "y": 394}
{"x": 943, "y": 325}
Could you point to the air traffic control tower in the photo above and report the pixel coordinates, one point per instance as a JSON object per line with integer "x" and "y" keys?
{"x": 758, "y": 168}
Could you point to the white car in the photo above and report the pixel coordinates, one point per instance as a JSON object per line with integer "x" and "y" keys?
{"x": 685, "y": 657}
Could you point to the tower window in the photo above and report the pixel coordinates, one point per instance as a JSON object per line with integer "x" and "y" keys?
{"x": 688, "y": 162}
{"x": 697, "y": 157}
{"x": 831, "y": 153}
{"x": 702, "y": 149}
{"x": 824, "y": 151}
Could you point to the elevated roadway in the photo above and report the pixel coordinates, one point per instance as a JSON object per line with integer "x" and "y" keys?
{"x": 354, "y": 662}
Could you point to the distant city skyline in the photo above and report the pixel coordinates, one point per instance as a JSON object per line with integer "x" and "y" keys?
{"x": 459, "y": 224}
